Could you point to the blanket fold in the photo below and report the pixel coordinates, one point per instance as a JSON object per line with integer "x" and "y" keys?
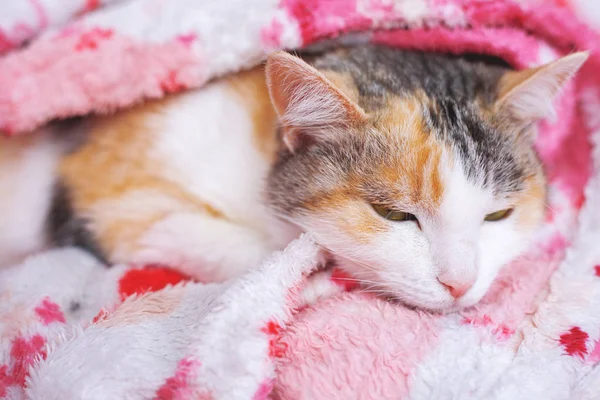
{"x": 70, "y": 328}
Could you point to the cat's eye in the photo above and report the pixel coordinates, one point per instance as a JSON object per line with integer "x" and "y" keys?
{"x": 498, "y": 215}
{"x": 393, "y": 215}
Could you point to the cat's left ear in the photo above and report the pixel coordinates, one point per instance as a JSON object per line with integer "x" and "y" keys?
{"x": 310, "y": 107}
{"x": 528, "y": 95}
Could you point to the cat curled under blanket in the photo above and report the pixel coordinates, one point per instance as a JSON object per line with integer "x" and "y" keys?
{"x": 415, "y": 171}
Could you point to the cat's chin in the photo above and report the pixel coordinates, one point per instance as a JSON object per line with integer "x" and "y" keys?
{"x": 434, "y": 306}
{"x": 439, "y": 305}
{"x": 329, "y": 259}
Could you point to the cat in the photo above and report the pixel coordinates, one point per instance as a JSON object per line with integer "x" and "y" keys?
{"x": 415, "y": 171}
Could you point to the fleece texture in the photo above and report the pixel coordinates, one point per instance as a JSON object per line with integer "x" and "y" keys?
{"x": 71, "y": 328}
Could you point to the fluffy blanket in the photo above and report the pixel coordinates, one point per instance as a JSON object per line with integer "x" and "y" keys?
{"x": 71, "y": 328}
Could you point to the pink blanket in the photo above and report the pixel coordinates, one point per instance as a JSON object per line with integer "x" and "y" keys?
{"x": 72, "y": 329}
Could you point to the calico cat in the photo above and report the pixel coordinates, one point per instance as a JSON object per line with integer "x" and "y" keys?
{"x": 415, "y": 171}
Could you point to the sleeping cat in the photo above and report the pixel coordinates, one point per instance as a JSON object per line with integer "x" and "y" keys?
{"x": 415, "y": 171}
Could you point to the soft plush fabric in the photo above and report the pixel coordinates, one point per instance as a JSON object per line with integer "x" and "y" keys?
{"x": 71, "y": 328}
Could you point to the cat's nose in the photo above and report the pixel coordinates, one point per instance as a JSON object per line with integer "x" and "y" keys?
{"x": 457, "y": 288}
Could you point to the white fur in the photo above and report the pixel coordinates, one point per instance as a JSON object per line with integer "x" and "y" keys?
{"x": 206, "y": 147}
{"x": 27, "y": 175}
{"x": 200, "y": 246}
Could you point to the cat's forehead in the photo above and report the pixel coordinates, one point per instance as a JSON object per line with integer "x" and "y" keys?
{"x": 422, "y": 131}
{"x": 413, "y": 159}
{"x": 433, "y": 101}
{"x": 491, "y": 156}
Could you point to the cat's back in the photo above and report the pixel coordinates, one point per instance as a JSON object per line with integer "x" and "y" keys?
{"x": 202, "y": 154}
{"x": 213, "y": 143}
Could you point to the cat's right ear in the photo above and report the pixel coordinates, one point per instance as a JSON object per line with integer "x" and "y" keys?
{"x": 310, "y": 107}
{"x": 528, "y": 94}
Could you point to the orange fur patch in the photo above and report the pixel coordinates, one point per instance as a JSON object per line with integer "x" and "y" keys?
{"x": 251, "y": 87}
{"x": 530, "y": 203}
{"x": 114, "y": 162}
{"x": 416, "y": 170}
{"x": 359, "y": 222}
{"x": 355, "y": 217}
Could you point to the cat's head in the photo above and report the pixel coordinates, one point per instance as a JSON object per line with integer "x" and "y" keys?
{"x": 423, "y": 194}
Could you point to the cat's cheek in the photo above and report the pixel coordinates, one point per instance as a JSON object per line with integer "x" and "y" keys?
{"x": 396, "y": 261}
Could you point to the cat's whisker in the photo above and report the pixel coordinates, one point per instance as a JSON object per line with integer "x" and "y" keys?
{"x": 350, "y": 258}
{"x": 545, "y": 203}
{"x": 362, "y": 281}
{"x": 376, "y": 291}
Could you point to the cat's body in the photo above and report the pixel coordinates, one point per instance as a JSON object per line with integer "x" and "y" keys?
{"x": 179, "y": 181}
{"x": 416, "y": 171}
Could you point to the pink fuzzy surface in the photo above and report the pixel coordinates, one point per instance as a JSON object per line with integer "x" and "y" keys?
{"x": 367, "y": 350}
{"x": 83, "y": 71}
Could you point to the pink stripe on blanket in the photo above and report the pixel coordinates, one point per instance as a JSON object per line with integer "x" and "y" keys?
{"x": 40, "y": 13}
{"x": 565, "y": 148}
{"x": 512, "y": 45}
{"x": 92, "y": 71}
{"x": 368, "y": 351}
{"x": 181, "y": 385}
{"x": 323, "y": 18}
{"x": 49, "y": 312}
{"x": 557, "y": 25}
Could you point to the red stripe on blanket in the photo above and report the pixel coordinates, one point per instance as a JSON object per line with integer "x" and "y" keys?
{"x": 264, "y": 390}
{"x": 594, "y": 357}
{"x": 150, "y": 279}
{"x": 574, "y": 342}
{"x": 91, "y": 5}
{"x": 91, "y": 40}
{"x": 182, "y": 384}
{"x": 343, "y": 279}
{"x": 24, "y": 353}
{"x": 49, "y": 312}
{"x": 101, "y": 316}
{"x": 277, "y": 348}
